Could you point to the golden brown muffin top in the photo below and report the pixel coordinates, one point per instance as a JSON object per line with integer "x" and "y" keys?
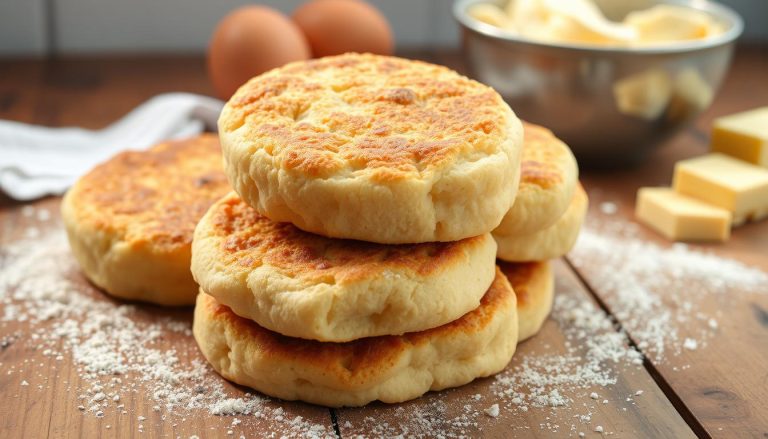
{"x": 353, "y": 113}
{"x": 545, "y": 159}
{"x": 247, "y": 239}
{"x": 154, "y": 197}
{"x": 355, "y": 362}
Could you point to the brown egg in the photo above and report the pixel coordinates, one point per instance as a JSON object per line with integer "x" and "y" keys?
{"x": 333, "y": 27}
{"x": 250, "y": 41}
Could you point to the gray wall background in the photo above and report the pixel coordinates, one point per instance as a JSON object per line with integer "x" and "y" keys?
{"x": 45, "y": 27}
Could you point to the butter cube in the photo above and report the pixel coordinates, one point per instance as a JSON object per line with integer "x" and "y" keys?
{"x": 743, "y": 135}
{"x": 734, "y": 185}
{"x": 681, "y": 218}
{"x": 644, "y": 95}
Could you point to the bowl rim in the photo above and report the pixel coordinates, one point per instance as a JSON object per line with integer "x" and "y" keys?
{"x": 720, "y": 11}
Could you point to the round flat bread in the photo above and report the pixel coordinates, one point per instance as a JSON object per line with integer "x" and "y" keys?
{"x": 304, "y": 285}
{"x": 130, "y": 220}
{"x": 548, "y": 178}
{"x": 534, "y": 285}
{"x": 389, "y": 368}
{"x": 550, "y": 243}
{"x": 374, "y": 148}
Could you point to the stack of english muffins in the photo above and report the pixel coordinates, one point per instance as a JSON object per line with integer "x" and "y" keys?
{"x": 356, "y": 258}
{"x": 389, "y": 231}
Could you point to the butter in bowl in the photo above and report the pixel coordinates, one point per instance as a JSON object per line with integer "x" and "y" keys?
{"x": 612, "y": 79}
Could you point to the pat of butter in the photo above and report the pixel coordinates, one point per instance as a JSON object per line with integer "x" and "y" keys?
{"x": 583, "y": 22}
{"x": 645, "y": 94}
{"x": 670, "y": 23}
{"x": 577, "y": 30}
{"x": 737, "y": 186}
{"x": 681, "y": 218}
{"x": 743, "y": 135}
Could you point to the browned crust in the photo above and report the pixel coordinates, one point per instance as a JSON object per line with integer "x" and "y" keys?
{"x": 249, "y": 239}
{"x": 536, "y": 167}
{"x": 519, "y": 275}
{"x": 356, "y": 361}
{"x": 154, "y": 197}
{"x": 388, "y": 115}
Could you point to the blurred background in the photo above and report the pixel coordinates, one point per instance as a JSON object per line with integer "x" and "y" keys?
{"x": 40, "y": 28}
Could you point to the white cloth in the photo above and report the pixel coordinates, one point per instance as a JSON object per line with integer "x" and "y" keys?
{"x": 37, "y": 161}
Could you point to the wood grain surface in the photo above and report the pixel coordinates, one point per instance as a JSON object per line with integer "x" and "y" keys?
{"x": 716, "y": 390}
{"x": 624, "y": 415}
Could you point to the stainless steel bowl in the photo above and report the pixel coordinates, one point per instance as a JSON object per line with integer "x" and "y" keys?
{"x": 611, "y": 105}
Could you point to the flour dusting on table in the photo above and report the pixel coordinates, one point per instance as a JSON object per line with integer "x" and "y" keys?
{"x": 115, "y": 345}
{"x": 655, "y": 291}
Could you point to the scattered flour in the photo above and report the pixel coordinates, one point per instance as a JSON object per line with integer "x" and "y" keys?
{"x": 116, "y": 349}
{"x": 594, "y": 351}
{"x": 597, "y": 350}
{"x": 115, "y": 345}
{"x": 548, "y": 380}
{"x": 492, "y": 411}
{"x": 655, "y": 291}
{"x": 608, "y": 208}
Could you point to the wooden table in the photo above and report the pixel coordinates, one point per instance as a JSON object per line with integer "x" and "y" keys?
{"x": 717, "y": 390}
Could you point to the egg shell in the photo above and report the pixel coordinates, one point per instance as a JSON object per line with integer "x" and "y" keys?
{"x": 249, "y": 41}
{"x": 333, "y": 27}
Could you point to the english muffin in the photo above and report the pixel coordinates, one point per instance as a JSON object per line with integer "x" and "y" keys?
{"x": 130, "y": 220}
{"x": 373, "y": 148}
{"x": 550, "y": 243}
{"x": 305, "y": 285}
{"x": 534, "y": 285}
{"x": 548, "y": 178}
{"x": 388, "y": 368}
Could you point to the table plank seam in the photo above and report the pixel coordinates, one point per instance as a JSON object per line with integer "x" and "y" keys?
{"x": 677, "y": 402}
{"x": 335, "y": 422}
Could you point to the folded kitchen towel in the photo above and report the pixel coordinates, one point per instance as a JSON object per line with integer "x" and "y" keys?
{"x": 37, "y": 161}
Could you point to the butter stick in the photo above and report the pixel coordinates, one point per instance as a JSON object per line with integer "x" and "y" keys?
{"x": 681, "y": 218}
{"x": 743, "y": 135}
{"x": 734, "y": 185}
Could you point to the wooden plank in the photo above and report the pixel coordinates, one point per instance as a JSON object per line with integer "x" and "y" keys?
{"x": 41, "y": 392}
{"x": 20, "y": 89}
{"x": 94, "y": 92}
{"x": 721, "y": 379}
{"x": 457, "y": 412}
{"x": 723, "y": 383}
